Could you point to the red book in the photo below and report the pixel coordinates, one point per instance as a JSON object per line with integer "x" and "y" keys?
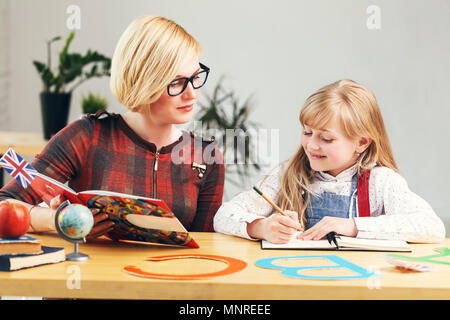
{"x": 136, "y": 218}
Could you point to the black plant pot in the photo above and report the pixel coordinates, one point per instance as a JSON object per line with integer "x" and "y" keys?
{"x": 55, "y": 112}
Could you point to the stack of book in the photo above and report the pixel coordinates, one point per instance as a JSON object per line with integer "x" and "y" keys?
{"x": 27, "y": 252}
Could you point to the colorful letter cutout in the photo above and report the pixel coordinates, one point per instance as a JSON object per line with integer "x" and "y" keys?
{"x": 443, "y": 252}
{"x": 233, "y": 265}
{"x": 338, "y": 263}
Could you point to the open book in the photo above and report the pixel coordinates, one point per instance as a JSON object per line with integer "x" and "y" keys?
{"x": 136, "y": 218}
{"x": 344, "y": 243}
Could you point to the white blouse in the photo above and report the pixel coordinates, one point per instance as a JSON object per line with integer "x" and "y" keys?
{"x": 396, "y": 212}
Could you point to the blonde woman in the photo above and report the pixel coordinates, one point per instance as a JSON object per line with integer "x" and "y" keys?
{"x": 343, "y": 178}
{"x": 156, "y": 74}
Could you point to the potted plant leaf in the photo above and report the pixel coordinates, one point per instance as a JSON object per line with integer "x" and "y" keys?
{"x": 223, "y": 111}
{"x": 93, "y": 103}
{"x": 58, "y": 84}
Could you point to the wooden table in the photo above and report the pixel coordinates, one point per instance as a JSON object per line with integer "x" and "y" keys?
{"x": 24, "y": 143}
{"x": 102, "y": 275}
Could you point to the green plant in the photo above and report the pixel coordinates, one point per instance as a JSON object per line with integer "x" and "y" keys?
{"x": 71, "y": 67}
{"x": 224, "y": 113}
{"x": 92, "y": 103}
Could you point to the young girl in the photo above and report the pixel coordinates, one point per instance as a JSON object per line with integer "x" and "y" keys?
{"x": 157, "y": 75}
{"x": 343, "y": 178}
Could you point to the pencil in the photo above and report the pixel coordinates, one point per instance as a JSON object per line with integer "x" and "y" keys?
{"x": 270, "y": 201}
{"x": 273, "y": 204}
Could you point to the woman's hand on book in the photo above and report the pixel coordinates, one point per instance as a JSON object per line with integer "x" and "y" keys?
{"x": 275, "y": 228}
{"x": 342, "y": 226}
{"x": 56, "y": 202}
{"x": 101, "y": 223}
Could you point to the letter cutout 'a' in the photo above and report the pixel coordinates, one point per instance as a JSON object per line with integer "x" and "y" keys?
{"x": 338, "y": 262}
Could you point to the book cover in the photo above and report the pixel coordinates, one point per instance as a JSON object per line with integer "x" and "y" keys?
{"x": 344, "y": 243}
{"x": 24, "y": 244}
{"x": 49, "y": 188}
{"x": 136, "y": 218}
{"x": 17, "y": 262}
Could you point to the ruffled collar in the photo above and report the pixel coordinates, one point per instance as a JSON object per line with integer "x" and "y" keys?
{"x": 344, "y": 176}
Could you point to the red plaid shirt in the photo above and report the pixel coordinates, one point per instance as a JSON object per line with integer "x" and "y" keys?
{"x": 97, "y": 153}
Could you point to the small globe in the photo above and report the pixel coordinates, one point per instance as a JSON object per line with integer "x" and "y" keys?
{"x": 75, "y": 221}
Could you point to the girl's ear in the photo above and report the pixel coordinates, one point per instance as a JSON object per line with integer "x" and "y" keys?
{"x": 363, "y": 144}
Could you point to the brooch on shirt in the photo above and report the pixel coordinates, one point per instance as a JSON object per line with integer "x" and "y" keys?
{"x": 201, "y": 168}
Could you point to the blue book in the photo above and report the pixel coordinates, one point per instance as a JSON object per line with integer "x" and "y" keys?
{"x": 24, "y": 244}
{"x": 21, "y": 261}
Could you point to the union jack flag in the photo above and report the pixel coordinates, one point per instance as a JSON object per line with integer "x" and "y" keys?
{"x": 18, "y": 168}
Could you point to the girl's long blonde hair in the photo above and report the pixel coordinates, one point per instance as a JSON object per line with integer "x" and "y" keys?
{"x": 357, "y": 109}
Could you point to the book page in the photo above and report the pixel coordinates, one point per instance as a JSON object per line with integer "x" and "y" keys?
{"x": 85, "y": 196}
{"x": 345, "y": 243}
{"x": 299, "y": 244}
{"x": 159, "y": 223}
{"x": 295, "y": 243}
{"x": 397, "y": 245}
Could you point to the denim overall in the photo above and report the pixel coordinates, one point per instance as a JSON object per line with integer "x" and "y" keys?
{"x": 331, "y": 204}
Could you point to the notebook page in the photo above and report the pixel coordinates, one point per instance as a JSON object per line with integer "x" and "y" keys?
{"x": 372, "y": 243}
{"x": 295, "y": 243}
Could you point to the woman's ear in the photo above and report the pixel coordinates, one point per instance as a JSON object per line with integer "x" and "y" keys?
{"x": 363, "y": 144}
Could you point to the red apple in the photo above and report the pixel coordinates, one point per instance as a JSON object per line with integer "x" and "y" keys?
{"x": 14, "y": 220}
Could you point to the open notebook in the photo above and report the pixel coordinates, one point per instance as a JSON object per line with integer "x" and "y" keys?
{"x": 345, "y": 243}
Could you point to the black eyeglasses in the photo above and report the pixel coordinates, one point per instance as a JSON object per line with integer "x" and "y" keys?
{"x": 177, "y": 86}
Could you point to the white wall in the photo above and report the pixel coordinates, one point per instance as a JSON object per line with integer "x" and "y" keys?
{"x": 282, "y": 51}
{"x": 4, "y": 65}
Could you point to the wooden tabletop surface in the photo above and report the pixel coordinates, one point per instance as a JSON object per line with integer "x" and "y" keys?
{"x": 24, "y": 143}
{"x": 103, "y": 277}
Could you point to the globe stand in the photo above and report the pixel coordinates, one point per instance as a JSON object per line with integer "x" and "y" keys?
{"x": 75, "y": 255}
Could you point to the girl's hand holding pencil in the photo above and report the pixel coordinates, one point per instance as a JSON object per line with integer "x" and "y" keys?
{"x": 277, "y": 228}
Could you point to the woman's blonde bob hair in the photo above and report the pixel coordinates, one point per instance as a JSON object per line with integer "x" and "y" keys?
{"x": 147, "y": 57}
{"x": 356, "y": 107}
